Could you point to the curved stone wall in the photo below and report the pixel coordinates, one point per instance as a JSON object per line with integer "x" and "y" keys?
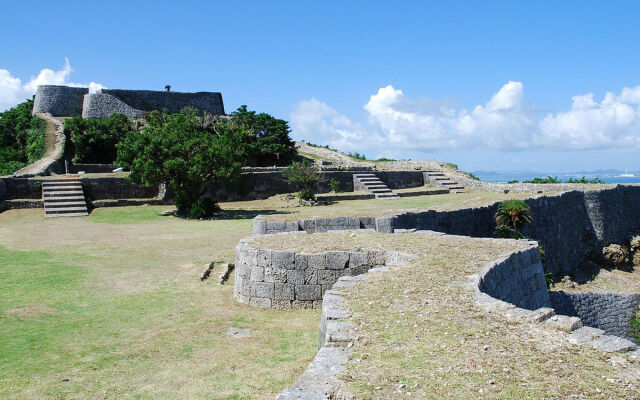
{"x": 607, "y": 311}
{"x": 149, "y": 100}
{"x": 285, "y": 279}
{"x": 59, "y": 101}
{"x": 98, "y": 105}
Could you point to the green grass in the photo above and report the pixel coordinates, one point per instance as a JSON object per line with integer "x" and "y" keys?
{"x": 116, "y": 310}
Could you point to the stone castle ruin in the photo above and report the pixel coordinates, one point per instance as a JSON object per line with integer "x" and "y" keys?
{"x": 66, "y": 101}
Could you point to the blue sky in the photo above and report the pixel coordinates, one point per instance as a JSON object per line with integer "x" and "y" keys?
{"x": 487, "y": 85}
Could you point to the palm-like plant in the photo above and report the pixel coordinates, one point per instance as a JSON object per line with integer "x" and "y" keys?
{"x": 513, "y": 213}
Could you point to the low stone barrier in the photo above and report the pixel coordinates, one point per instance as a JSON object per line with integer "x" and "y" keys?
{"x": 610, "y": 312}
{"x": 284, "y": 279}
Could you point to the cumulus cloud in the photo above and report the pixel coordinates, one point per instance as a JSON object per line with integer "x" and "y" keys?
{"x": 506, "y": 121}
{"x": 13, "y": 91}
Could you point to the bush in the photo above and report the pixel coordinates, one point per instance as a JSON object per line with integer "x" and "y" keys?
{"x": 548, "y": 179}
{"x": 22, "y": 138}
{"x": 96, "y": 140}
{"x": 358, "y": 156}
{"x": 334, "y": 185}
{"x": 514, "y": 181}
{"x": 203, "y": 208}
{"x": 513, "y": 213}
{"x": 507, "y": 232}
{"x": 616, "y": 256}
{"x": 304, "y": 174}
{"x": 634, "y": 326}
{"x": 178, "y": 150}
{"x": 266, "y": 139}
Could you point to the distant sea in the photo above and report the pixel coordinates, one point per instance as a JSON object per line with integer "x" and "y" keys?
{"x": 608, "y": 176}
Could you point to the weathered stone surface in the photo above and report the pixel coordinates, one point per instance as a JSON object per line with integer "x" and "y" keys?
{"x": 357, "y": 259}
{"x": 564, "y": 323}
{"x": 262, "y": 289}
{"x": 337, "y": 259}
{"x": 308, "y": 292}
{"x": 585, "y": 334}
{"x": 296, "y": 277}
{"x": 239, "y": 333}
{"x": 275, "y": 274}
{"x": 283, "y": 259}
{"x": 317, "y": 261}
{"x": 301, "y": 304}
{"x": 261, "y": 302}
{"x": 311, "y": 277}
{"x": 283, "y": 291}
{"x": 609, "y": 343}
{"x": 302, "y": 260}
{"x": 377, "y": 258}
{"x": 257, "y": 274}
{"x": 326, "y": 276}
{"x": 263, "y": 257}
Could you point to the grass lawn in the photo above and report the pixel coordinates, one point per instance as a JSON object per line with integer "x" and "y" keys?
{"x": 111, "y": 306}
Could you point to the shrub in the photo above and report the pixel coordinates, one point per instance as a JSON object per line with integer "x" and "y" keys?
{"x": 22, "y": 138}
{"x": 203, "y": 208}
{"x": 178, "y": 150}
{"x": 634, "y": 326}
{"x": 514, "y": 181}
{"x": 616, "y": 256}
{"x": 96, "y": 140}
{"x": 548, "y": 179}
{"x": 507, "y": 232}
{"x": 385, "y": 159}
{"x": 514, "y": 213}
{"x": 334, "y": 185}
{"x": 358, "y": 156}
{"x": 304, "y": 174}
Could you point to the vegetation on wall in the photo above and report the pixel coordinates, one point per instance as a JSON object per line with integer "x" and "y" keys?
{"x": 22, "y": 138}
{"x": 187, "y": 155}
{"x": 95, "y": 140}
{"x": 266, "y": 139}
{"x": 554, "y": 179}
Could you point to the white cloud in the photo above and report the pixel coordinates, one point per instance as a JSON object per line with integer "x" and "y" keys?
{"x": 12, "y": 91}
{"x": 397, "y": 124}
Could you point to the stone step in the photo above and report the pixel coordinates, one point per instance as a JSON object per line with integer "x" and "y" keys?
{"x": 448, "y": 183}
{"x": 387, "y": 196}
{"x": 372, "y": 179}
{"x": 67, "y": 193}
{"x": 60, "y": 188}
{"x": 59, "y": 181}
{"x": 50, "y": 204}
{"x": 49, "y": 199}
{"x": 58, "y": 210}
{"x": 364, "y": 175}
{"x": 74, "y": 214}
{"x": 387, "y": 190}
{"x": 435, "y": 174}
{"x": 378, "y": 186}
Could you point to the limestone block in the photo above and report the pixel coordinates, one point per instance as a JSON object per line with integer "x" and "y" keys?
{"x": 296, "y": 277}
{"x": 317, "y": 261}
{"x": 326, "y": 276}
{"x": 564, "y": 323}
{"x": 262, "y": 289}
{"x": 241, "y": 298}
{"x": 283, "y": 259}
{"x": 301, "y": 304}
{"x": 308, "y": 292}
{"x": 375, "y": 258}
{"x": 280, "y": 304}
{"x": 367, "y": 222}
{"x": 307, "y": 225}
{"x": 257, "y": 274}
{"x": 357, "y": 259}
{"x": 311, "y": 277}
{"x": 276, "y": 226}
{"x": 263, "y": 257}
{"x": 317, "y": 304}
{"x": 337, "y": 259}
{"x": 283, "y": 291}
{"x": 291, "y": 226}
{"x": 609, "y": 343}
{"x": 585, "y": 334}
{"x": 302, "y": 261}
{"x": 260, "y": 302}
{"x": 384, "y": 224}
{"x": 259, "y": 226}
{"x": 275, "y": 274}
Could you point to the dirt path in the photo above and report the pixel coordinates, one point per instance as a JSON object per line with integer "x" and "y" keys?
{"x": 54, "y": 147}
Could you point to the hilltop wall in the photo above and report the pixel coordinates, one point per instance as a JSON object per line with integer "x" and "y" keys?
{"x": 148, "y": 100}
{"x": 59, "y": 101}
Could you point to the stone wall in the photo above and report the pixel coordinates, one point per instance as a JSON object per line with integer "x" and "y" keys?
{"x": 572, "y": 227}
{"x": 59, "y": 101}
{"x": 148, "y": 100}
{"x": 98, "y": 105}
{"x": 606, "y": 311}
{"x": 261, "y": 185}
{"x": 517, "y": 279}
{"x": 284, "y": 279}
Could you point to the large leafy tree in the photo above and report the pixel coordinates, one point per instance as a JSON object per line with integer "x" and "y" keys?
{"x": 184, "y": 153}
{"x": 266, "y": 141}
{"x": 95, "y": 140}
{"x": 21, "y": 138}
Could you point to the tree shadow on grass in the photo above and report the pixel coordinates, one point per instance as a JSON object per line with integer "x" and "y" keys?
{"x": 245, "y": 214}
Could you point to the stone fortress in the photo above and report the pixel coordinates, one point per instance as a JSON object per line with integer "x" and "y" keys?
{"x": 66, "y": 101}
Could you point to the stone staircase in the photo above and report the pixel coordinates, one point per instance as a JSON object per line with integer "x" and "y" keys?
{"x": 63, "y": 198}
{"x": 372, "y": 184}
{"x": 440, "y": 179}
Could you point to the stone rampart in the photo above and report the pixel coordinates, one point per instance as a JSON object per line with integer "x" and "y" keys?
{"x": 607, "y": 311}
{"x": 59, "y": 101}
{"x": 283, "y": 279}
{"x": 149, "y": 100}
{"x": 98, "y": 105}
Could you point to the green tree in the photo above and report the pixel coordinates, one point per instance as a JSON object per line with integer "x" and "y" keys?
{"x": 178, "y": 150}
{"x": 22, "y": 138}
{"x": 267, "y": 140}
{"x": 95, "y": 140}
{"x": 304, "y": 174}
